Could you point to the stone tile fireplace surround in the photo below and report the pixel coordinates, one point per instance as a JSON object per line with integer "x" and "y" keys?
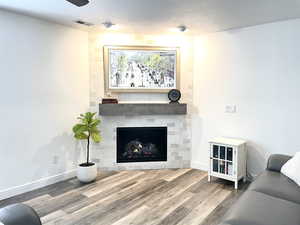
{"x": 179, "y": 141}
{"x": 179, "y": 126}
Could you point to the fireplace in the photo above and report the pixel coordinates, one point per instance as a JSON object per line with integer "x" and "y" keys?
{"x": 141, "y": 144}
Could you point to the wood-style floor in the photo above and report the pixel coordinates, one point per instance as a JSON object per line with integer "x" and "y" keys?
{"x": 156, "y": 197}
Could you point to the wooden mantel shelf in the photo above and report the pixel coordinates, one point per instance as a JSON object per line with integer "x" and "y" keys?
{"x": 137, "y": 109}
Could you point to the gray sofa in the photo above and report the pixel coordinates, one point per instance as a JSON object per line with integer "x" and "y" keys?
{"x": 272, "y": 199}
{"x": 19, "y": 214}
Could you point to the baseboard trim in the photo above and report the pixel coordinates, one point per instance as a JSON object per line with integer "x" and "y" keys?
{"x": 7, "y": 193}
{"x": 199, "y": 166}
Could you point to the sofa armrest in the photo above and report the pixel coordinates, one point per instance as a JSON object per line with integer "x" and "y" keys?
{"x": 19, "y": 214}
{"x": 276, "y": 161}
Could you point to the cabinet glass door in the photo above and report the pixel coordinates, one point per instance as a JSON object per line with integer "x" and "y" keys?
{"x": 229, "y": 153}
{"x": 222, "y": 152}
{"x": 222, "y": 159}
{"x": 215, "y": 151}
{"x": 215, "y": 165}
{"x": 229, "y": 167}
{"x": 222, "y": 167}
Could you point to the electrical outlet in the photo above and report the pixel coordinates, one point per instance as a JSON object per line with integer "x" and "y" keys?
{"x": 230, "y": 109}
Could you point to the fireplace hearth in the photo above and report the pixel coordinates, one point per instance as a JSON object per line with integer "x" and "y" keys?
{"x": 141, "y": 144}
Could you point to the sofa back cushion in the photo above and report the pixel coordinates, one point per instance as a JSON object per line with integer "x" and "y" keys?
{"x": 276, "y": 161}
{"x": 276, "y": 185}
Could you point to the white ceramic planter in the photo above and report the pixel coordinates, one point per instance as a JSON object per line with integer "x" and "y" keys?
{"x": 86, "y": 174}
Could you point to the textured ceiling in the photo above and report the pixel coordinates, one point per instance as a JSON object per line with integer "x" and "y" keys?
{"x": 156, "y": 16}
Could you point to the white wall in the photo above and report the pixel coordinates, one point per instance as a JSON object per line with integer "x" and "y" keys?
{"x": 44, "y": 86}
{"x": 258, "y": 70}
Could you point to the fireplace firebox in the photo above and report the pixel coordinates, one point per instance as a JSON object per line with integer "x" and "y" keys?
{"x": 141, "y": 144}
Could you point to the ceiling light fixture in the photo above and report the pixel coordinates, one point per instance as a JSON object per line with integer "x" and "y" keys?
{"x": 108, "y": 25}
{"x": 182, "y": 28}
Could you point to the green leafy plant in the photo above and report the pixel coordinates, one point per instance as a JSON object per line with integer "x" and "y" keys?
{"x": 87, "y": 129}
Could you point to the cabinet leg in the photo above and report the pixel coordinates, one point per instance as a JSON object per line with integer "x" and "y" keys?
{"x": 208, "y": 178}
{"x": 236, "y": 185}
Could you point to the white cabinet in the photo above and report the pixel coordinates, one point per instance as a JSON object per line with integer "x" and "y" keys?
{"x": 228, "y": 159}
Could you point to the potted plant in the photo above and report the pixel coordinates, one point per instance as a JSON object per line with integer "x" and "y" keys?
{"x": 87, "y": 129}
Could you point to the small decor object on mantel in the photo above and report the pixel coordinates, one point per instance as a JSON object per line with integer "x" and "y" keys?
{"x": 141, "y": 68}
{"x": 174, "y": 96}
{"x": 87, "y": 129}
{"x": 109, "y": 101}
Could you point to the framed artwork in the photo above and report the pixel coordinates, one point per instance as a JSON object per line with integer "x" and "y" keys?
{"x": 141, "y": 68}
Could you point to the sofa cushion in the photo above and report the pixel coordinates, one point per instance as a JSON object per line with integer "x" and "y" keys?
{"x": 255, "y": 208}
{"x": 276, "y": 161}
{"x": 276, "y": 185}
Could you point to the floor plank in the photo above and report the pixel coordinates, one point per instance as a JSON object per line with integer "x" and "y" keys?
{"x": 144, "y": 197}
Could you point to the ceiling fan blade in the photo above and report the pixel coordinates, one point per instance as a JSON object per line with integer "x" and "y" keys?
{"x": 79, "y": 3}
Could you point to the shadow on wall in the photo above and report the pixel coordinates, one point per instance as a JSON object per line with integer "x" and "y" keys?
{"x": 59, "y": 156}
{"x": 257, "y": 159}
{"x": 95, "y": 153}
